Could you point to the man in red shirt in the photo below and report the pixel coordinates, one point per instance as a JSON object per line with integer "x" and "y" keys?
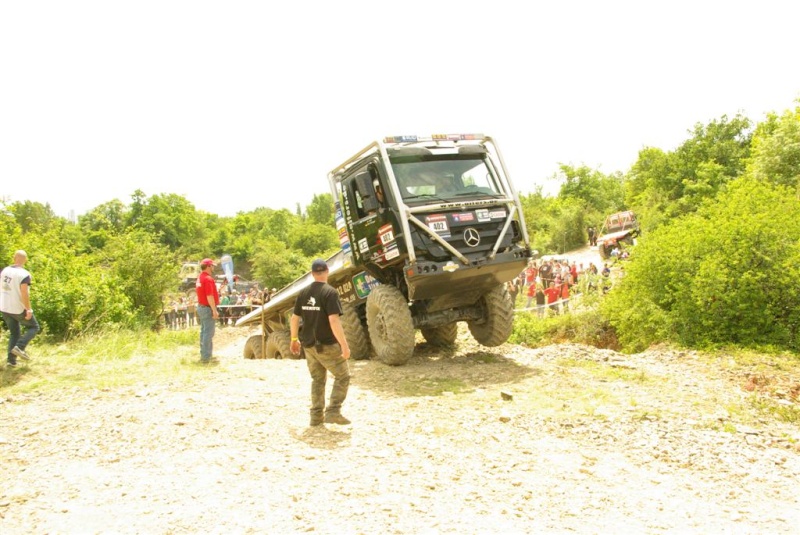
{"x": 207, "y": 314}
{"x": 530, "y": 274}
{"x": 553, "y": 292}
{"x": 565, "y": 296}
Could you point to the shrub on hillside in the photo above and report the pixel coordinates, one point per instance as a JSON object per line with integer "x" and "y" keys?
{"x": 724, "y": 275}
{"x": 584, "y": 327}
{"x": 70, "y": 294}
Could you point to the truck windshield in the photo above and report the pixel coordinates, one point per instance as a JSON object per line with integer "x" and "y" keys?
{"x": 445, "y": 177}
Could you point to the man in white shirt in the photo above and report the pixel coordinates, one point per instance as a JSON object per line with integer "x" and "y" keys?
{"x": 15, "y": 305}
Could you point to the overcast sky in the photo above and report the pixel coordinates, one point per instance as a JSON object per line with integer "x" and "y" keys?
{"x": 238, "y": 105}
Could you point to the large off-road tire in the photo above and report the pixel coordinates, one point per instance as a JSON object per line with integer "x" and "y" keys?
{"x": 498, "y": 318}
{"x": 442, "y": 336}
{"x": 391, "y": 329}
{"x": 278, "y": 346}
{"x": 253, "y": 347}
{"x": 355, "y": 332}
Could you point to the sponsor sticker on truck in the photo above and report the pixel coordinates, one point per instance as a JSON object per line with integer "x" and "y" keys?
{"x": 386, "y": 234}
{"x": 461, "y": 218}
{"x": 364, "y": 283}
{"x": 438, "y": 224}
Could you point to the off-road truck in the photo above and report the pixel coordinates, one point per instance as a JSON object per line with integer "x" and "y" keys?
{"x": 620, "y": 227}
{"x": 431, "y": 228}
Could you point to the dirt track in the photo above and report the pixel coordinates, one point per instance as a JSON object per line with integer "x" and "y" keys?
{"x": 590, "y": 441}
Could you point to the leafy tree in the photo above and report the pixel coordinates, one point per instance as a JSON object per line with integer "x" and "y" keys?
{"x": 775, "y": 155}
{"x": 111, "y": 216}
{"x": 321, "y": 209}
{"x": 646, "y": 187}
{"x": 170, "y": 217}
{"x": 33, "y": 216}
{"x": 276, "y": 266}
{"x": 539, "y": 219}
{"x": 143, "y": 269}
{"x": 667, "y": 185}
{"x": 279, "y": 224}
{"x": 724, "y": 275}
{"x": 241, "y": 247}
{"x": 103, "y": 222}
{"x": 597, "y": 192}
{"x": 138, "y": 203}
{"x": 568, "y": 227}
{"x": 315, "y": 239}
{"x": 10, "y": 234}
{"x": 69, "y": 293}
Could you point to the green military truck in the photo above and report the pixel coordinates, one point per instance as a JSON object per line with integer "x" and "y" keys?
{"x": 431, "y": 228}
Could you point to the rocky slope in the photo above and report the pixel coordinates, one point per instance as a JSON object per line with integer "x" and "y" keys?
{"x": 564, "y": 438}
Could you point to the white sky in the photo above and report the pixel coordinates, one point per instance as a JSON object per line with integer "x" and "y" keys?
{"x": 242, "y": 104}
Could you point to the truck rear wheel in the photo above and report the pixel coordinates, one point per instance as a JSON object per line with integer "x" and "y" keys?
{"x": 443, "y": 336}
{"x": 278, "y": 346}
{"x": 391, "y": 328}
{"x": 355, "y": 332}
{"x": 253, "y": 347}
{"x": 498, "y": 318}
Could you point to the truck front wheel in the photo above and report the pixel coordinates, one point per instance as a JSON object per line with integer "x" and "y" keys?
{"x": 391, "y": 328}
{"x": 497, "y": 320}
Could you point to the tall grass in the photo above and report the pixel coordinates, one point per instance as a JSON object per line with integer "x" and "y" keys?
{"x": 113, "y": 359}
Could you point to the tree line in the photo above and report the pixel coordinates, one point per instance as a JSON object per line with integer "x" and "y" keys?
{"x": 116, "y": 265}
{"x": 719, "y": 257}
{"x": 716, "y": 263}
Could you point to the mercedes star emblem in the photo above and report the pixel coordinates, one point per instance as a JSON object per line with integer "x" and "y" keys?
{"x": 471, "y": 237}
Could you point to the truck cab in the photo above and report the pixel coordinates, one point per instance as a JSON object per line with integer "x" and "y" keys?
{"x": 436, "y": 215}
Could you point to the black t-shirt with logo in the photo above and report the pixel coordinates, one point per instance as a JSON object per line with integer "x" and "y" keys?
{"x": 314, "y": 305}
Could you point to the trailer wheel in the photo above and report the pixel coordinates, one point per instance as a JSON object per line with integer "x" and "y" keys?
{"x": 498, "y": 318}
{"x": 390, "y": 326}
{"x": 253, "y": 346}
{"x": 442, "y": 336}
{"x": 355, "y": 332}
{"x": 279, "y": 346}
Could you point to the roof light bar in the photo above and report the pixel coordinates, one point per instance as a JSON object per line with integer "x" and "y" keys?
{"x": 433, "y": 137}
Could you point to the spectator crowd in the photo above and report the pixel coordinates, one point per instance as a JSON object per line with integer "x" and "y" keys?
{"x": 180, "y": 312}
{"x": 548, "y": 285}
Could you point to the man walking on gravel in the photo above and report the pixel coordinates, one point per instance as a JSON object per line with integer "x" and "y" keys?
{"x": 325, "y": 345}
{"x": 15, "y": 305}
{"x": 207, "y": 314}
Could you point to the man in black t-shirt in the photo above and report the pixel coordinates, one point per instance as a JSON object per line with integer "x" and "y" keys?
{"x": 324, "y": 343}
{"x": 546, "y": 272}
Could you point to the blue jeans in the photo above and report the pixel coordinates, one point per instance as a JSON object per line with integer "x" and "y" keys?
{"x": 207, "y": 327}
{"x": 13, "y": 321}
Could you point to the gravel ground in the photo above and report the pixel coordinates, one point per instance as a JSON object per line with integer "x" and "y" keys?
{"x": 561, "y": 439}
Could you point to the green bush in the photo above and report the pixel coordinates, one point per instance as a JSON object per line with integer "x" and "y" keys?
{"x": 69, "y": 293}
{"x": 724, "y": 275}
{"x": 586, "y": 326}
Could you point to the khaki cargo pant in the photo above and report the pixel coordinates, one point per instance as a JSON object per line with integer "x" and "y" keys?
{"x": 321, "y": 360}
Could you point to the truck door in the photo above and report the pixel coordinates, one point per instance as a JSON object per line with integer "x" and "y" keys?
{"x": 372, "y": 235}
